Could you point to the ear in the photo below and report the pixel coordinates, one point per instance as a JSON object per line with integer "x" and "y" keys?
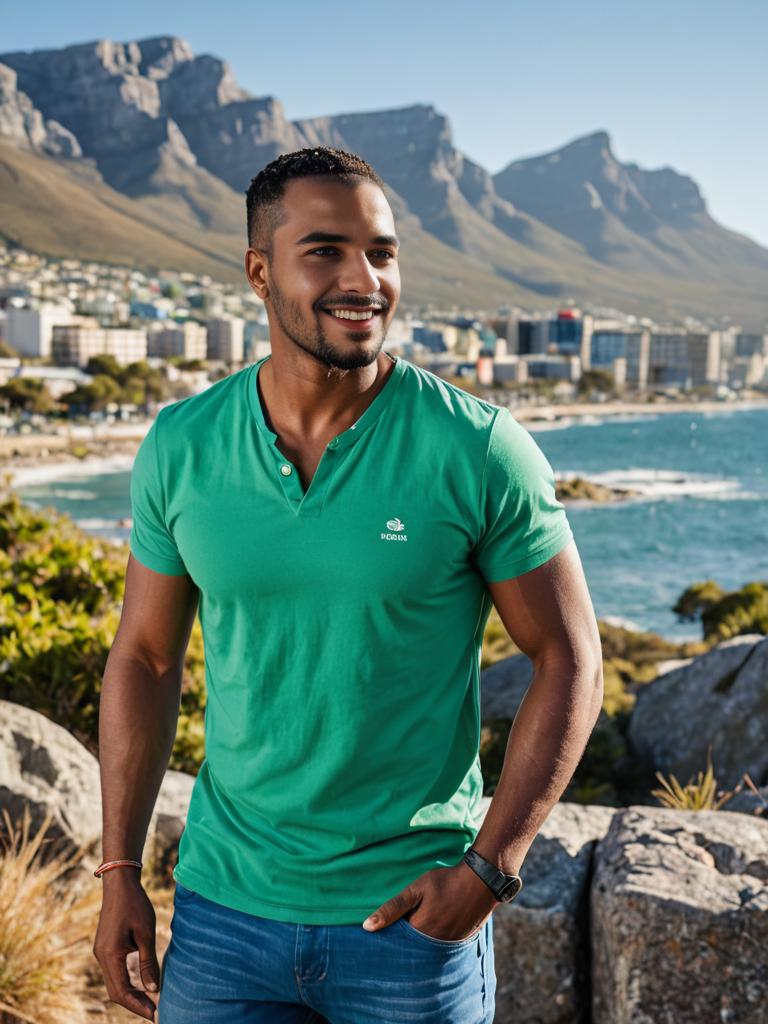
{"x": 256, "y": 271}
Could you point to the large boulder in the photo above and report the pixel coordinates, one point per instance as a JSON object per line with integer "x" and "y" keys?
{"x": 719, "y": 700}
{"x": 43, "y": 767}
{"x": 679, "y": 919}
{"x": 541, "y": 939}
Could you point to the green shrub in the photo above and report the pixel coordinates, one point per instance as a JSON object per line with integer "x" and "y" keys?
{"x": 725, "y": 614}
{"x": 60, "y": 598}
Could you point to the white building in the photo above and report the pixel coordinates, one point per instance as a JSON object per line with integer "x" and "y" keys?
{"x": 30, "y": 331}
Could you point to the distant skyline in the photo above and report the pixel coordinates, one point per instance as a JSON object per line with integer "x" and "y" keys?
{"x": 681, "y": 85}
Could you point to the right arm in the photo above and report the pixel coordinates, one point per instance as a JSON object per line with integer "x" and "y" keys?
{"x": 138, "y": 717}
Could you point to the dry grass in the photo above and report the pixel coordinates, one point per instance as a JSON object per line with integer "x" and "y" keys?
{"x": 44, "y": 937}
{"x": 49, "y": 912}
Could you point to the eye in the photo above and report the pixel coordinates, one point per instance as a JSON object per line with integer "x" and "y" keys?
{"x": 378, "y": 254}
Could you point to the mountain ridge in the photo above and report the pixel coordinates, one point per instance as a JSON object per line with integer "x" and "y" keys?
{"x": 175, "y": 133}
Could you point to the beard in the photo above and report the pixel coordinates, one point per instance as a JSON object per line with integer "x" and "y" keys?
{"x": 309, "y": 335}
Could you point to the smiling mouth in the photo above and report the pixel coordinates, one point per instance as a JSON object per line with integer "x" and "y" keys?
{"x": 364, "y": 317}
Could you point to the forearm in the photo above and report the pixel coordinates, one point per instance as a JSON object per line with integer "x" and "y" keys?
{"x": 138, "y": 717}
{"x": 546, "y": 743}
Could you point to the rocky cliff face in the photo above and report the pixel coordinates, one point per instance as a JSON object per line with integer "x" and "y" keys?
{"x": 23, "y": 124}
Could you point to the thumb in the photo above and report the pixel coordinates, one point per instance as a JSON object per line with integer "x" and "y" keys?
{"x": 392, "y": 909}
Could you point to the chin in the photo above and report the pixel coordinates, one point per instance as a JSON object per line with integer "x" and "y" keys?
{"x": 355, "y": 355}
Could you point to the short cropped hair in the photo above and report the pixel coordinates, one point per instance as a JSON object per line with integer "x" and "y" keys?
{"x": 264, "y": 194}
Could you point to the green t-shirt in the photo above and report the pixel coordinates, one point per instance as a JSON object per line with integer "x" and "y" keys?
{"x": 342, "y": 631}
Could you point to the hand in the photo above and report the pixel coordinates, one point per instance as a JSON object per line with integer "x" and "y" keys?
{"x": 126, "y": 924}
{"x": 453, "y": 903}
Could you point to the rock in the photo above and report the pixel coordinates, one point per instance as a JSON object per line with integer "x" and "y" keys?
{"x": 720, "y": 699}
{"x": 503, "y": 686}
{"x": 577, "y": 488}
{"x": 541, "y": 939}
{"x": 748, "y": 802}
{"x": 45, "y": 767}
{"x": 168, "y": 821}
{"x": 679, "y": 917}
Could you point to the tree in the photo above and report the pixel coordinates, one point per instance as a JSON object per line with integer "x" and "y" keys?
{"x": 104, "y": 363}
{"x": 28, "y": 394}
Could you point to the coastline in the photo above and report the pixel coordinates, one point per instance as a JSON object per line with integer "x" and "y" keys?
{"x": 555, "y": 413}
{"x": 36, "y": 458}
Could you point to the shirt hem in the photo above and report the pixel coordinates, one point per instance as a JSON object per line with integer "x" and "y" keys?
{"x": 509, "y": 570}
{"x": 289, "y": 913}
{"x": 156, "y": 563}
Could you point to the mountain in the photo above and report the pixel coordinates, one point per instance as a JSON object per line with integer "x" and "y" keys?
{"x": 169, "y": 140}
{"x": 637, "y": 220}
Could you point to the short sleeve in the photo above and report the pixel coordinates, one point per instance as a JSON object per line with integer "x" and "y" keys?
{"x": 522, "y": 523}
{"x": 150, "y": 540}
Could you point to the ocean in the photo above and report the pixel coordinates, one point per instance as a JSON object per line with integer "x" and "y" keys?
{"x": 702, "y": 513}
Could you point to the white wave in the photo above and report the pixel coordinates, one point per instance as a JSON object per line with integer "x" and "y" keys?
{"x": 31, "y": 476}
{"x": 586, "y": 420}
{"x": 104, "y": 524}
{"x": 74, "y": 494}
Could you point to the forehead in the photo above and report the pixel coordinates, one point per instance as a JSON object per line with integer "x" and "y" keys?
{"x": 325, "y": 204}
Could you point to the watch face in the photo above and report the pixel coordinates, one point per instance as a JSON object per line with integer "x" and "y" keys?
{"x": 510, "y": 889}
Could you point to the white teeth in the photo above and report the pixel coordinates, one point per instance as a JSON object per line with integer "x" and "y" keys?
{"x": 347, "y": 314}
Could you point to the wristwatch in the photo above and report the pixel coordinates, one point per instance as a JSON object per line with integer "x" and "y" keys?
{"x": 504, "y": 887}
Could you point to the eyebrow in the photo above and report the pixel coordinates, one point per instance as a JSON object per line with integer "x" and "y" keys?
{"x": 324, "y": 236}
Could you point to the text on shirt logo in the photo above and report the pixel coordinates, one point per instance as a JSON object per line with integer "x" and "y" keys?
{"x": 396, "y": 526}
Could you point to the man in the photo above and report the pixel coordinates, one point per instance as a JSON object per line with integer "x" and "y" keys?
{"x": 345, "y": 521}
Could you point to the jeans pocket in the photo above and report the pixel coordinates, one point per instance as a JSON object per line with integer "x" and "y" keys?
{"x": 433, "y": 940}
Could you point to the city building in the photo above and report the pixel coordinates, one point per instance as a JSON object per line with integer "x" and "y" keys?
{"x": 30, "y": 330}
{"x": 74, "y": 345}
{"x": 226, "y": 339}
{"x": 188, "y": 339}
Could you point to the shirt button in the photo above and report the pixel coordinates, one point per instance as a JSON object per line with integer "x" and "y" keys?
{"x": 285, "y": 469}
{"x": 333, "y": 444}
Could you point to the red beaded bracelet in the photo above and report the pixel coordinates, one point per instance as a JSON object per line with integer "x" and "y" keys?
{"x": 109, "y": 864}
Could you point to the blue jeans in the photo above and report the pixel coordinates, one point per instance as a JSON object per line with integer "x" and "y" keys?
{"x": 223, "y": 966}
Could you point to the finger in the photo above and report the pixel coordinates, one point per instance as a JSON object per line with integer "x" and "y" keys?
{"x": 120, "y": 990}
{"x": 149, "y": 968}
{"x": 392, "y": 909}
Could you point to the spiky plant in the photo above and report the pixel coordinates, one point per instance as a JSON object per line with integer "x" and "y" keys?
{"x": 701, "y": 795}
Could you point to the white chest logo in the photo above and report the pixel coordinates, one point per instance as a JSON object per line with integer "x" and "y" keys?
{"x": 395, "y": 528}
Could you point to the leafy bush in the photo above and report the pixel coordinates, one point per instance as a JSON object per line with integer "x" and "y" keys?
{"x": 60, "y": 597}
{"x": 725, "y": 614}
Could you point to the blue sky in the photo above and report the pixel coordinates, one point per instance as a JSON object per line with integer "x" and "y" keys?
{"x": 676, "y": 83}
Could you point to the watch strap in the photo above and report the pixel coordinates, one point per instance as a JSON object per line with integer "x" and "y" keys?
{"x": 504, "y": 887}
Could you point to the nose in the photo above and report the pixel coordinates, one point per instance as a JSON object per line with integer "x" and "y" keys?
{"x": 357, "y": 274}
